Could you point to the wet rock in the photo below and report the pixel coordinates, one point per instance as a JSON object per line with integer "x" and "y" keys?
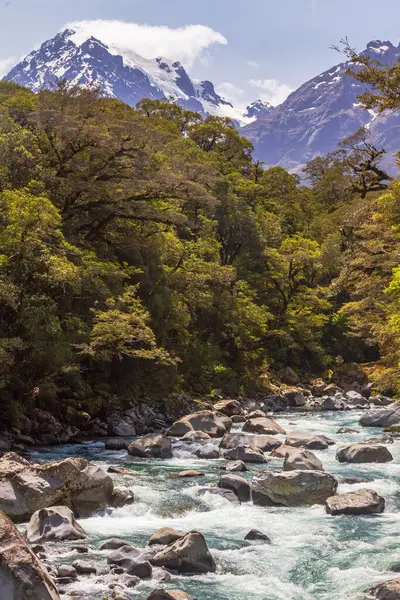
{"x": 364, "y": 453}
{"x": 189, "y": 554}
{"x": 355, "y": 398}
{"x": 311, "y": 442}
{"x": 80, "y": 549}
{"x": 256, "y": 535}
{"x": 196, "y": 436}
{"x": 228, "y": 407}
{"x": 161, "y": 575}
{"x": 234, "y": 439}
{"x": 215, "y": 424}
{"x": 302, "y": 460}
{"x": 165, "y": 536}
{"x": 224, "y": 493}
{"x": 256, "y": 414}
{"x": 161, "y": 594}
{"x": 236, "y": 466}
{"x": 332, "y": 403}
{"x": 388, "y": 590}
{"x": 67, "y": 571}
{"x": 84, "y": 567}
{"x": 208, "y": 451}
{"x": 347, "y": 430}
{"x": 116, "y": 444}
{"x": 237, "y": 484}
{"x": 238, "y": 419}
{"x": 354, "y": 480}
{"x": 153, "y": 445}
{"x": 292, "y": 488}
{"x": 54, "y": 524}
{"x": 130, "y": 581}
{"x": 383, "y": 417}
{"x": 395, "y": 568}
{"x": 283, "y": 451}
{"x": 121, "y": 498}
{"x": 37, "y": 548}
{"x": 113, "y": 544}
{"x": 263, "y": 426}
{"x": 380, "y": 400}
{"x": 133, "y": 560}
{"x": 294, "y": 397}
{"x": 360, "y": 502}
{"x": 245, "y": 454}
{"x": 187, "y": 474}
{"x": 122, "y": 471}
{"x": 22, "y": 576}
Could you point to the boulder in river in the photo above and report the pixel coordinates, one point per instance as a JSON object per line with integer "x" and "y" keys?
{"x": 263, "y": 425}
{"x": 113, "y": 544}
{"x": 360, "y": 502}
{"x": 292, "y": 488}
{"x": 294, "y": 396}
{"x": 187, "y": 474}
{"x": 223, "y": 493}
{"x": 196, "y": 436}
{"x": 214, "y": 423}
{"x": 208, "y": 451}
{"x": 73, "y": 482}
{"x": 161, "y": 594}
{"x": 22, "y": 576}
{"x": 189, "y": 554}
{"x": 116, "y": 444}
{"x": 133, "y": 560}
{"x": 256, "y": 535}
{"x": 382, "y": 417}
{"x": 249, "y": 454}
{"x": 236, "y": 466}
{"x": 333, "y": 403}
{"x": 53, "y": 524}
{"x": 364, "y": 453}
{"x": 236, "y": 438}
{"x": 84, "y": 567}
{"x": 165, "y": 536}
{"x": 283, "y": 451}
{"x": 228, "y": 407}
{"x": 311, "y": 442}
{"x": 388, "y": 590}
{"x": 239, "y": 485}
{"x": 152, "y": 445}
{"x": 303, "y": 460}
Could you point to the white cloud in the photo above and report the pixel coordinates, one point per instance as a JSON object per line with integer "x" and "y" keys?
{"x": 6, "y": 64}
{"x": 185, "y": 44}
{"x": 273, "y": 91}
{"x": 253, "y": 63}
{"x": 232, "y": 93}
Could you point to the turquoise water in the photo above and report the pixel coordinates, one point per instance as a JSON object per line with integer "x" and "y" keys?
{"x": 313, "y": 556}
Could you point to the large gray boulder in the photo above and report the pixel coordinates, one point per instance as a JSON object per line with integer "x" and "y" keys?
{"x": 294, "y": 396}
{"x": 223, "y": 493}
{"x": 189, "y": 554}
{"x": 364, "y": 453}
{"x": 302, "y": 460}
{"x": 228, "y": 407}
{"x": 239, "y": 485}
{"x": 382, "y": 417}
{"x": 360, "y": 502}
{"x": 355, "y": 399}
{"x": 74, "y": 482}
{"x": 54, "y": 524}
{"x": 388, "y": 590}
{"x": 133, "y": 560}
{"x": 333, "y": 403}
{"x": 309, "y": 441}
{"x": 152, "y": 445}
{"x": 116, "y": 444}
{"x": 208, "y": 451}
{"x": 249, "y": 454}
{"x": 292, "y": 488}
{"x": 165, "y": 536}
{"x": 214, "y": 423}
{"x": 263, "y": 425}
{"x": 236, "y": 438}
{"x": 22, "y": 576}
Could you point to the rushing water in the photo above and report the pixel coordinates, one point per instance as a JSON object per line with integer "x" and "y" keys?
{"x": 313, "y": 556}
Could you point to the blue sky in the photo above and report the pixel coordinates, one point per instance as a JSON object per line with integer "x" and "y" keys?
{"x": 248, "y": 48}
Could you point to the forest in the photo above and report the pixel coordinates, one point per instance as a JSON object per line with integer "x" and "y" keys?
{"x": 145, "y": 252}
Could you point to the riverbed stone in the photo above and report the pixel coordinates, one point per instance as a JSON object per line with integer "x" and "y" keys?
{"x": 228, "y": 407}
{"x": 196, "y": 436}
{"x": 292, "y": 488}
{"x": 152, "y": 445}
{"x": 364, "y": 453}
{"x": 165, "y": 536}
{"x": 214, "y": 423}
{"x": 303, "y": 460}
{"x": 223, "y": 493}
{"x": 249, "y": 454}
{"x": 22, "y": 576}
{"x": 360, "y": 502}
{"x": 388, "y": 590}
{"x": 255, "y": 535}
{"x": 311, "y": 442}
{"x": 116, "y": 444}
{"x": 113, "y": 544}
{"x": 187, "y": 474}
{"x": 84, "y": 567}
{"x": 294, "y": 396}
{"x": 239, "y": 485}
{"x": 133, "y": 560}
{"x": 283, "y": 451}
{"x": 53, "y": 524}
{"x": 208, "y": 451}
{"x": 236, "y": 438}
{"x": 189, "y": 554}
{"x": 162, "y": 594}
{"x": 67, "y": 571}
{"x": 333, "y": 403}
{"x": 236, "y": 466}
{"x": 382, "y": 417}
{"x": 263, "y": 425}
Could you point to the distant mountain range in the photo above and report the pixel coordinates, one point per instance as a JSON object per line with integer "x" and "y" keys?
{"x": 311, "y": 121}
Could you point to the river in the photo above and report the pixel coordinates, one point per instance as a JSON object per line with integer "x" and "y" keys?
{"x": 313, "y": 556}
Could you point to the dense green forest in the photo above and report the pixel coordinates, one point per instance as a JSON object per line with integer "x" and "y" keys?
{"x": 145, "y": 252}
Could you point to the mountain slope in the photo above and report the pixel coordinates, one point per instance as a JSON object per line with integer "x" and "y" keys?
{"x": 84, "y": 60}
{"x": 321, "y": 113}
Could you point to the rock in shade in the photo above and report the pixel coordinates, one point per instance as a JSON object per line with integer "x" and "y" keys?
{"x": 382, "y": 417}
{"x": 116, "y": 444}
{"x": 346, "y": 430}
{"x": 332, "y": 403}
{"x": 224, "y": 493}
{"x": 152, "y": 445}
{"x": 196, "y": 436}
{"x": 364, "y": 453}
{"x": 214, "y": 423}
{"x": 162, "y": 594}
{"x": 255, "y": 535}
{"x": 84, "y": 567}
{"x": 302, "y": 460}
{"x": 246, "y": 454}
{"x": 189, "y": 554}
{"x": 292, "y": 488}
{"x": 121, "y": 498}
{"x": 228, "y": 407}
{"x": 239, "y": 485}
{"x": 236, "y": 466}
{"x": 113, "y": 544}
{"x": 22, "y": 576}
{"x": 360, "y": 502}
{"x": 67, "y": 571}
{"x": 54, "y": 524}
{"x": 263, "y": 426}
{"x": 354, "y": 480}
{"x": 165, "y": 536}
{"x": 133, "y": 560}
{"x": 236, "y": 438}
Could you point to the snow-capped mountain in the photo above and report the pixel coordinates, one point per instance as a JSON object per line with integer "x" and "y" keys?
{"x": 83, "y": 60}
{"x": 258, "y": 109}
{"x": 321, "y": 113}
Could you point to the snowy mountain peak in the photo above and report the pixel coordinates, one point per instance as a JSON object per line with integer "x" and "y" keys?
{"x": 379, "y": 47}
{"x": 258, "y": 109}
